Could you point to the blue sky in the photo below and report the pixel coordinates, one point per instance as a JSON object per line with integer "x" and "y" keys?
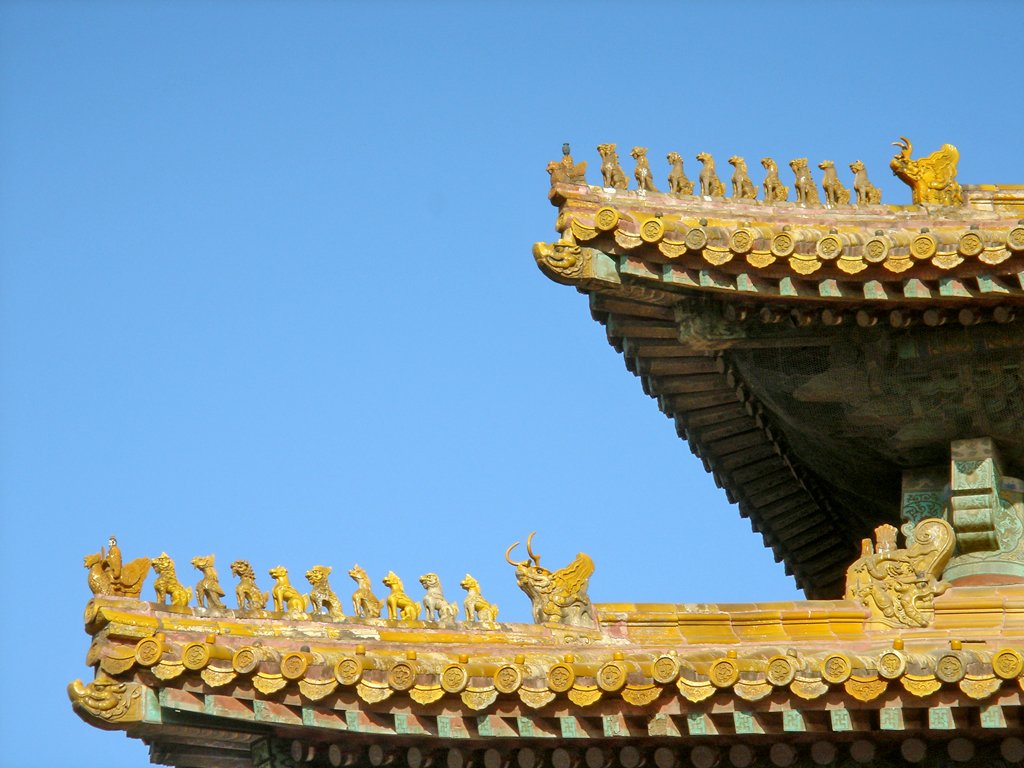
{"x": 266, "y": 288}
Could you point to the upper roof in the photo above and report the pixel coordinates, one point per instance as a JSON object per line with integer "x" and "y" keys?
{"x": 808, "y": 352}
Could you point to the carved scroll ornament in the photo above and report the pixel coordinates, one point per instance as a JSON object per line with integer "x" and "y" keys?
{"x": 899, "y": 586}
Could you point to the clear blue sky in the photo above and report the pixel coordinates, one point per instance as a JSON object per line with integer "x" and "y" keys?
{"x": 267, "y": 289}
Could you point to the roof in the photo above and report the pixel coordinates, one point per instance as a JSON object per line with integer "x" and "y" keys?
{"x": 809, "y": 354}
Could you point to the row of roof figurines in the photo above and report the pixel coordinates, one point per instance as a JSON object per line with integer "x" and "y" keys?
{"x": 932, "y": 179}
{"x": 556, "y": 596}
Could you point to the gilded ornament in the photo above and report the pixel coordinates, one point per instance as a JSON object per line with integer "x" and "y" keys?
{"x": 477, "y": 608}
{"x": 710, "y": 184}
{"x": 696, "y": 239}
{"x": 865, "y": 688}
{"x": 806, "y": 189}
{"x": 268, "y": 684}
{"x": 562, "y": 261}
{"x": 899, "y": 586}
{"x": 780, "y": 671}
{"x": 435, "y": 607}
{"x": 836, "y": 668}
{"x": 970, "y": 244}
{"x": 741, "y": 241}
{"x": 374, "y": 694}
{"x": 876, "y": 249}
{"x": 920, "y": 685}
{"x": 536, "y": 698}
{"x": 980, "y": 687}
{"x": 249, "y": 597}
{"x": 426, "y": 695}
{"x": 892, "y": 664}
{"x": 246, "y": 659}
{"x": 149, "y": 650}
{"x": 606, "y": 219}
{"x": 665, "y": 669}
{"x": 208, "y": 590}
{"x": 167, "y": 584}
{"x": 286, "y": 597}
{"x": 897, "y": 265}
{"x": 640, "y": 696}
{"x": 559, "y": 596}
{"x": 851, "y": 265}
{"x": 642, "y": 174}
{"x": 107, "y": 700}
{"x": 217, "y": 677}
{"x": 950, "y": 668}
{"x": 717, "y": 256}
{"x": 808, "y": 689}
{"x": 611, "y": 677}
{"x": 195, "y": 656}
{"x": 947, "y": 260}
{"x": 627, "y": 239}
{"x": 107, "y": 577}
{"x": 1015, "y": 239}
{"x": 365, "y": 604}
{"x": 322, "y": 596}
{"x": 783, "y": 245}
{"x": 752, "y": 691}
{"x": 479, "y": 699}
{"x": 580, "y": 231}
{"x": 400, "y": 605}
{"x": 584, "y": 697}
{"x": 774, "y": 190}
{"x": 508, "y": 679}
{"x": 167, "y": 670}
{"x": 742, "y": 187}
{"x": 724, "y": 673}
{"x": 314, "y": 690}
{"x": 561, "y": 677}
{"x": 867, "y": 193}
{"x": 695, "y": 691}
{"x": 118, "y": 660}
{"x": 924, "y": 246}
{"x": 678, "y": 184}
{"x": 672, "y": 250}
{"x": 294, "y": 665}
{"x": 652, "y": 230}
{"x": 611, "y": 171}
{"x": 804, "y": 265}
{"x": 1007, "y": 663}
{"x": 454, "y": 678}
{"x": 565, "y": 171}
{"x": 835, "y": 192}
{"x": 401, "y": 676}
{"x": 829, "y": 247}
{"x": 348, "y": 670}
{"x": 932, "y": 179}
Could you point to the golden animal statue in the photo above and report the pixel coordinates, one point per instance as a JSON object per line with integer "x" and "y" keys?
{"x": 560, "y": 596}
{"x": 107, "y": 577}
{"x": 899, "y": 586}
{"x": 565, "y": 171}
{"x": 400, "y": 605}
{"x": 208, "y": 590}
{"x": 107, "y": 699}
{"x": 286, "y": 597}
{"x": 323, "y": 597}
{"x": 742, "y": 187}
{"x": 435, "y": 607}
{"x": 835, "y": 192}
{"x": 249, "y": 596}
{"x": 678, "y": 184}
{"x": 365, "y": 604}
{"x": 643, "y": 175}
{"x": 167, "y": 584}
{"x": 867, "y": 193}
{"x": 774, "y": 190}
{"x": 931, "y": 179}
{"x": 806, "y": 189}
{"x": 477, "y": 609}
{"x": 710, "y": 184}
{"x": 611, "y": 171}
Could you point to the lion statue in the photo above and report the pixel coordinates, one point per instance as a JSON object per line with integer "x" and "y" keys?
{"x": 835, "y": 192}
{"x": 867, "y": 193}
{"x": 774, "y": 190}
{"x": 247, "y": 593}
{"x": 477, "y": 609}
{"x": 208, "y": 590}
{"x": 678, "y": 184}
{"x": 742, "y": 187}
{"x": 322, "y": 595}
{"x": 710, "y": 184}
{"x": 435, "y": 607}
{"x": 611, "y": 171}
{"x": 806, "y": 189}
{"x": 400, "y": 605}
{"x": 286, "y": 597}
{"x": 643, "y": 175}
{"x": 365, "y": 604}
{"x": 167, "y": 584}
